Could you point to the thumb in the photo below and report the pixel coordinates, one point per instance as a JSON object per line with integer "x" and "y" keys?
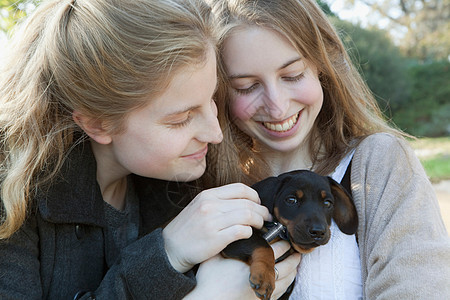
{"x": 279, "y": 248}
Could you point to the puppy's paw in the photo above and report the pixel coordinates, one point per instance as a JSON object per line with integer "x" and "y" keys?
{"x": 262, "y": 280}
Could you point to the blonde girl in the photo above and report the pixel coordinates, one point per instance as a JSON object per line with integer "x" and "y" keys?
{"x": 96, "y": 98}
{"x": 289, "y": 98}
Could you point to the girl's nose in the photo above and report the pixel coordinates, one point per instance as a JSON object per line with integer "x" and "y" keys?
{"x": 276, "y": 102}
{"x": 216, "y": 135}
{"x": 210, "y": 131}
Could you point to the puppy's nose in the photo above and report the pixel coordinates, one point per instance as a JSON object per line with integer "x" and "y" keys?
{"x": 317, "y": 232}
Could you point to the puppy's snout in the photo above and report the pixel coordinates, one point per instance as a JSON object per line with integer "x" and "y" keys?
{"x": 317, "y": 232}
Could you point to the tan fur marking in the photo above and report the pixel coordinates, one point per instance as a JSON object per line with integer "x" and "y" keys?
{"x": 323, "y": 194}
{"x": 262, "y": 272}
{"x": 300, "y": 194}
{"x": 276, "y": 212}
{"x": 301, "y": 250}
{"x": 264, "y": 256}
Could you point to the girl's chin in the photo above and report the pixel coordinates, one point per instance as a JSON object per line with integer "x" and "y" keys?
{"x": 277, "y": 146}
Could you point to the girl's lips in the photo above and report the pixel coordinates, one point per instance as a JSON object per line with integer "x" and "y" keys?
{"x": 282, "y": 128}
{"x": 284, "y": 125}
{"x": 198, "y": 155}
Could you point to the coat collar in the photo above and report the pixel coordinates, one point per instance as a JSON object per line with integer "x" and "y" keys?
{"x": 74, "y": 197}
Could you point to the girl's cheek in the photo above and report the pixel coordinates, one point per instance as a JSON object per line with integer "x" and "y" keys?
{"x": 243, "y": 107}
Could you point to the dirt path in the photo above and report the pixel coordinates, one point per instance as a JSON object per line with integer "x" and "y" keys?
{"x": 443, "y": 194}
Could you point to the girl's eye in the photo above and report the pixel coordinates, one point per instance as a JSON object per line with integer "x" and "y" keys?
{"x": 294, "y": 78}
{"x": 247, "y": 90}
{"x": 183, "y": 123}
{"x": 291, "y": 200}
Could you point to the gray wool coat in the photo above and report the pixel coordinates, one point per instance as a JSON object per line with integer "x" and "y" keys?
{"x": 59, "y": 253}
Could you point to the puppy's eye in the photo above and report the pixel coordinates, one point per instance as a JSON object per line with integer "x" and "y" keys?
{"x": 327, "y": 203}
{"x": 291, "y": 200}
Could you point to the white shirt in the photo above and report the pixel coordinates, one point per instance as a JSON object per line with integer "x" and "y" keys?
{"x": 331, "y": 271}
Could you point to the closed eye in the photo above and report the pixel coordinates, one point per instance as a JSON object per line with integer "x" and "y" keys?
{"x": 247, "y": 90}
{"x": 294, "y": 78}
{"x": 184, "y": 122}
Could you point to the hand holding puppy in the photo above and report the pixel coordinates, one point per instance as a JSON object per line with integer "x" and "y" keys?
{"x": 213, "y": 219}
{"x": 221, "y": 278}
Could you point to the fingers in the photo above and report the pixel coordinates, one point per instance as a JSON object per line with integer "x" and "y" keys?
{"x": 235, "y": 191}
{"x": 215, "y": 218}
{"x": 279, "y": 248}
{"x": 244, "y": 212}
{"x": 243, "y": 205}
{"x": 287, "y": 270}
{"x": 231, "y": 211}
{"x": 239, "y": 197}
{"x": 288, "y": 265}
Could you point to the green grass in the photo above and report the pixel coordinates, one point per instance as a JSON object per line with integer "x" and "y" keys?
{"x": 434, "y": 153}
{"x": 437, "y": 168}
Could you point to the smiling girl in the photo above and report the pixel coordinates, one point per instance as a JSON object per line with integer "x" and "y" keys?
{"x": 289, "y": 98}
{"x": 96, "y": 98}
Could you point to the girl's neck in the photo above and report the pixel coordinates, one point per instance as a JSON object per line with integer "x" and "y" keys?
{"x": 282, "y": 162}
{"x": 111, "y": 177}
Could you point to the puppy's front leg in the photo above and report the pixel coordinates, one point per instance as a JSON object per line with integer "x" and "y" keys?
{"x": 262, "y": 272}
{"x": 257, "y": 253}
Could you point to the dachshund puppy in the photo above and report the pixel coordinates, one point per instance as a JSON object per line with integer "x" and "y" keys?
{"x": 304, "y": 203}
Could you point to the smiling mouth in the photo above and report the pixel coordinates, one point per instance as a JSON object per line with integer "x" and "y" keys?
{"x": 284, "y": 125}
{"x": 199, "y": 154}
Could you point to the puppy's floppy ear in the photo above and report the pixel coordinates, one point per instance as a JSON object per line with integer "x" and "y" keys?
{"x": 344, "y": 213}
{"x": 267, "y": 190}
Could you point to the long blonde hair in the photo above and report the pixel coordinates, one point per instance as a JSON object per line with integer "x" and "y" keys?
{"x": 349, "y": 111}
{"x": 103, "y": 58}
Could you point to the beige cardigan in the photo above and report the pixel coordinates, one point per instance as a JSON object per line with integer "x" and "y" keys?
{"x": 404, "y": 246}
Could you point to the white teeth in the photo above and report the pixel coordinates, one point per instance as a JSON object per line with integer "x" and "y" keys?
{"x": 284, "y": 126}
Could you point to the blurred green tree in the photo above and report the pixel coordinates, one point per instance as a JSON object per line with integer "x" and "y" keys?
{"x": 427, "y": 113}
{"x": 423, "y": 24}
{"x": 11, "y": 11}
{"x": 379, "y": 61}
{"x": 326, "y": 8}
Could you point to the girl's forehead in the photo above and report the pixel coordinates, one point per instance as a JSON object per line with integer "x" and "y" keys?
{"x": 251, "y": 46}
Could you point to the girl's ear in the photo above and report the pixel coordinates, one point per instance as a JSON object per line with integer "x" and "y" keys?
{"x": 93, "y": 127}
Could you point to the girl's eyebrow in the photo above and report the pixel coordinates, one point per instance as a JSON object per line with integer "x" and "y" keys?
{"x": 189, "y": 108}
{"x": 183, "y": 110}
{"x": 290, "y": 62}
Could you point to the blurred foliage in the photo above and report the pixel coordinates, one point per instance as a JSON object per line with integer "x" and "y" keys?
{"x": 424, "y": 25}
{"x": 414, "y": 95}
{"x": 11, "y": 11}
{"x": 434, "y": 153}
{"x": 326, "y": 8}
{"x": 380, "y": 62}
{"x": 427, "y": 111}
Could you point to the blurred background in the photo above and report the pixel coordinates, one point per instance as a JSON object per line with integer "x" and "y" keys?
{"x": 402, "y": 49}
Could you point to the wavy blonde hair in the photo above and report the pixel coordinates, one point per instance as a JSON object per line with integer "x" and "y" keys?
{"x": 349, "y": 111}
{"x": 103, "y": 58}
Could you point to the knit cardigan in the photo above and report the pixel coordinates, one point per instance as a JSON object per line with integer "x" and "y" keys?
{"x": 404, "y": 246}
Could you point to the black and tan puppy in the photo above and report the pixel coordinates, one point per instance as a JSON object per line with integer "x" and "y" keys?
{"x": 304, "y": 202}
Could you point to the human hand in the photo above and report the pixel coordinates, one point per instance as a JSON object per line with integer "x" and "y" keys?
{"x": 287, "y": 269}
{"x": 220, "y": 278}
{"x": 211, "y": 221}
